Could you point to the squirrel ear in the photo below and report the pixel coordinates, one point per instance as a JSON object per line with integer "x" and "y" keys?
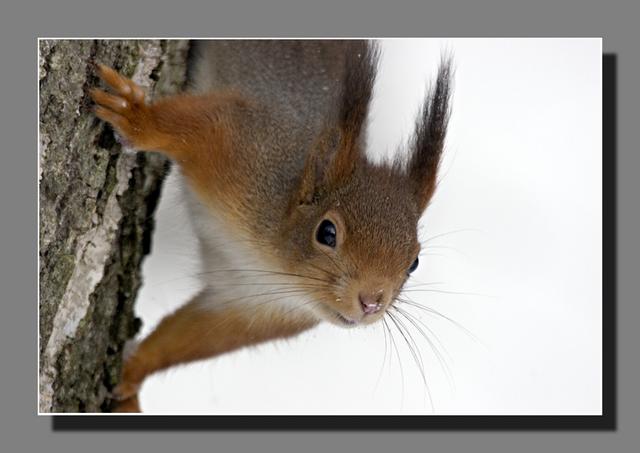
{"x": 338, "y": 149}
{"x": 360, "y": 66}
{"x": 308, "y": 187}
{"x": 321, "y": 168}
{"x": 428, "y": 141}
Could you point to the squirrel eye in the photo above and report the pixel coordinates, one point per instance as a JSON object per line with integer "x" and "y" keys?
{"x": 413, "y": 266}
{"x": 326, "y": 233}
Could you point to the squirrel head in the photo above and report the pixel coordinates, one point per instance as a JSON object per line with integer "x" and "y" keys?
{"x": 351, "y": 226}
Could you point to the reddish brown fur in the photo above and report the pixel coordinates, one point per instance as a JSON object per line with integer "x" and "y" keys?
{"x": 271, "y": 178}
{"x": 193, "y": 333}
{"x": 192, "y": 130}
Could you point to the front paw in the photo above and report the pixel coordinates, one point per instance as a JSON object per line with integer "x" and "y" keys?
{"x": 133, "y": 373}
{"x": 127, "y": 406}
{"x": 125, "y": 109}
{"x": 125, "y": 390}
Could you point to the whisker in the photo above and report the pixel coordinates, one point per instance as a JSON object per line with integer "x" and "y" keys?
{"x": 445, "y": 247}
{"x": 340, "y": 267}
{"x": 263, "y": 271}
{"x": 446, "y": 292}
{"x": 321, "y": 269}
{"x": 424, "y": 325}
{"x": 462, "y": 230}
{"x": 384, "y": 358}
{"x": 299, "y": 307}
{"x": 443, "y": 316}
{"x": 253, "y": 308}
{"x": 441, "y": 359}
{"x": 413, "y": 347}
{"x": 273, "y": 284}
{"x": 416, "y": 357}
{"x": 268, "y": 293}
{"x": 425, "y": 253}
{"x": 395, "y": 347}
{"x": 422, "y": 284}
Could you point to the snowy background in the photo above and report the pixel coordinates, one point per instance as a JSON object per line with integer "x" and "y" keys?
{"x": 514, "y": 240}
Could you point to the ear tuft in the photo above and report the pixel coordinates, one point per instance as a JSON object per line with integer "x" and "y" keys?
{"x": 361, "y": 64}
{"x": 338, "y": 149}
{"x": 430, "y": 132}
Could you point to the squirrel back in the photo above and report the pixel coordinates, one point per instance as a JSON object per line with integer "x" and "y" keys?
{"x": 301, "y": 77}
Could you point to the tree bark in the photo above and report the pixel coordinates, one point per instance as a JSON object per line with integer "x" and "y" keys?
{"x": 96, "y": 217}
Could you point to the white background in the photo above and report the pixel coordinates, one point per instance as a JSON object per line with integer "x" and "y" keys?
{"x": 519, "y": 211}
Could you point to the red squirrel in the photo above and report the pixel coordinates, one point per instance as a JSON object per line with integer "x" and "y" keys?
{"x": 295, "y": 225}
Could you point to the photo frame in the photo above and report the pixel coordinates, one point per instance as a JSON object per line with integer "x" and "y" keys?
{"x": 604, "y": 421}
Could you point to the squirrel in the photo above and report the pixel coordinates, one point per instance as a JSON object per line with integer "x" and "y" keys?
{"x": 295, "y": 225}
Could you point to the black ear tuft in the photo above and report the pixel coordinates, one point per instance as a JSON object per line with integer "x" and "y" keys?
{"x": 430, "y": 133}
{"x": 338, "y": 149}
{"x": 361, "y": 63}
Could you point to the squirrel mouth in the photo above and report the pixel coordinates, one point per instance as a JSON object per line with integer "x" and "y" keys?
{"x": 338, "y": 318}
{"x": 346, "y": 321}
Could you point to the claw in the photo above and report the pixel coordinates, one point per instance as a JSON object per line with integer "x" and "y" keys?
{"x": 112, "y": 78}
{"x": 123, "y": 108}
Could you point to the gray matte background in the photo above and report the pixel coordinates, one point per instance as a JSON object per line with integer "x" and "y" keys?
{"x": 22, "y": 430}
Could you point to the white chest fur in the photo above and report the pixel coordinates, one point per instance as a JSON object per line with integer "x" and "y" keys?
{"x": 236, "y": 275}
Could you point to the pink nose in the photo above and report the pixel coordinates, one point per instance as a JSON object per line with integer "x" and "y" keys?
{"x": 370, "y": 303}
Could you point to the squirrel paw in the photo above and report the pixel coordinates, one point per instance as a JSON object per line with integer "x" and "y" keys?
{"x": 125, "y": 109}
{"x": 129, "y": 405}
{"x": 130, "y": 379}
{"x": 125, "y": 390}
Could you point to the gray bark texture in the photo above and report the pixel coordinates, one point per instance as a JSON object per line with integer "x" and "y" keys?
{"x": 96, "y": 204}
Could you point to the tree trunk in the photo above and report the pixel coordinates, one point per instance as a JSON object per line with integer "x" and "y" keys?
{"x": 96, "y": 216}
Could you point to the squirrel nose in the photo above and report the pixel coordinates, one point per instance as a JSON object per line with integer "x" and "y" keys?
{"x": 371, "y": 303}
